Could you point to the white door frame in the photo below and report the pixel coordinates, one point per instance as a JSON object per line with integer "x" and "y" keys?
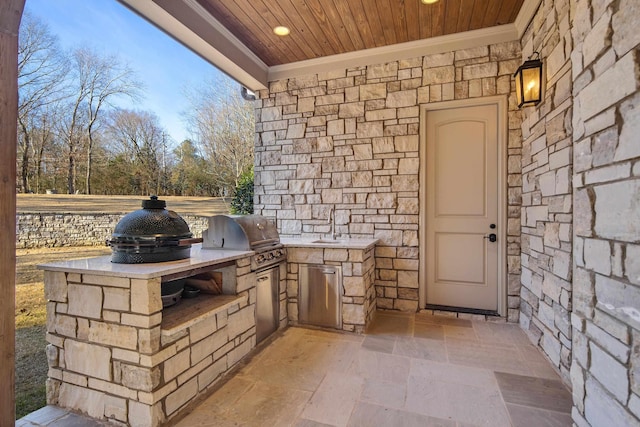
{"x": 502, "y": 103}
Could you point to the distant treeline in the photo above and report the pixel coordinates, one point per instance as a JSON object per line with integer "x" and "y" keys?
{"x": 73, "y": 138}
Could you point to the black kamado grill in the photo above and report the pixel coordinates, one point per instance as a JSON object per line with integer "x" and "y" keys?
{"x": 151, "y": 234}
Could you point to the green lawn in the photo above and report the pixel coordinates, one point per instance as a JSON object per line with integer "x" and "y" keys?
{"x": 31, "y": 358}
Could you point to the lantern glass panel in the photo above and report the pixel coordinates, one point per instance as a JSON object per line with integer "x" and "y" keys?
{"x": 531, "y": 84}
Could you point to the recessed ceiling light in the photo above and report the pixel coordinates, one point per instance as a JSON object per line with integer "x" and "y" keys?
{"x": 281, "y": 30}
{"x": 429, "y": 1}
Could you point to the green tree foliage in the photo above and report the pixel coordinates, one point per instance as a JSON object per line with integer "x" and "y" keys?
{"x": 242, "y": 203}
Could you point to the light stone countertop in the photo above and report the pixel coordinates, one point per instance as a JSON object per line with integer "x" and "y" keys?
{"x": 102, "y": 266}
{"x": 327, "y": 243}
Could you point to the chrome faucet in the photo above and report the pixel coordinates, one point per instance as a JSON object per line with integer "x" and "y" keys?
{"x": 332, "y": 220}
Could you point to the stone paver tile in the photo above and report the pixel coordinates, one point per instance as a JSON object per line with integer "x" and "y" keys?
{"x": 543, "y": 370}
{"x": 75, "y": 420}
{"x": 340, "y": 355}
{"x": 537, "y": 363}
{"x": 488, "y": 356}
{"x": 442, "y": 320}
{"x": 428, "y": 330}
{"x": 46, "y": 414}
{"x": 459, "y": 332}
{"x": 537, "y": 392}
{"x": 204, "y": 417}
{"x": 334, "y": 400}
{"x": 523, "y": 416}
{"x": 383, "y": 366}
{"x": 381, "y": 344}
{"x": 293, "y": 345}
{"x": 500, "y": 333}
{"x": 395, "y": 325}
{"x": 445, "y": 372}
{"x": 293, "y": 375}
{"x": 267, "y": 404}
{"x": 310, "y": 423}
{"x": 228, "y": 394}
{"x": 330, "y": 335}
{"x": 367, "y": 415}
{"x": 317, "y": 348}
{"x": 480, "y": 406}
{"x": 421, "y": 349}
{"x": 531, "y": 353}
{"x": 385, "y": 393}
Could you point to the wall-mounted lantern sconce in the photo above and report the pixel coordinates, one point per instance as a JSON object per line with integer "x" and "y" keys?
{"x": 529, "y": 82}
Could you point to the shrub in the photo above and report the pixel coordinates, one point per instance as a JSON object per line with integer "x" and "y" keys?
{"x": 242, "y": 202}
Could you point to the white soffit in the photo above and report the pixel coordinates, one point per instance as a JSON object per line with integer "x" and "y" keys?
{"x": 189, "y": 23}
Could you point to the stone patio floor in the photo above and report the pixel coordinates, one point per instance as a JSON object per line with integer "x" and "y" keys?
{"x": 408, "y": 370}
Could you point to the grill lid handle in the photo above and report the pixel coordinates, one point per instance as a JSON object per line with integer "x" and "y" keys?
{"x": 154, "y": 203}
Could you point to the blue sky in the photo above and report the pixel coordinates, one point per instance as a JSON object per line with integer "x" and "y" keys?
{"x": 164, "y": 65}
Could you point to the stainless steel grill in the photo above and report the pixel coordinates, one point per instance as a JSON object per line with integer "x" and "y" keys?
{"x": 246, "y": 232}
{"x": 258, "y": 234}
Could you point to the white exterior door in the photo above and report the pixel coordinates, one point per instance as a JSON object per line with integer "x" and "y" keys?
{"x": 462, "y": 207}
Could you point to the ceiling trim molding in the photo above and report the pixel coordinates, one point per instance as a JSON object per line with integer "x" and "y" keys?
{"x": 214, "y": 43}
{"x": 381, "y": 55}
{"x": 527, "y": 11}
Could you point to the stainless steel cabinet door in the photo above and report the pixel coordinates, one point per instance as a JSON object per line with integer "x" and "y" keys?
{"x": 267, "y": 302}
{"x": 319, "y": 296}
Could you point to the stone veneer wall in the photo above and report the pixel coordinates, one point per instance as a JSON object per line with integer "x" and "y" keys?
{"x": 51, "y": 230}
{"x": 350, "y": 140}
{"x": 357, "y": 290}
{"x": 605, "y": 372}
{"x": 547, "y": 191}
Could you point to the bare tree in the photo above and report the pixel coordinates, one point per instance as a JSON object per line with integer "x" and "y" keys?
{"x": 107, "y": 78}
{"x": 95, "y": 81}
{"x": 137, "y": 138}
{"x": 40, "y": 76}
{"x": 42, "y": 141}
{"x": 72, "y": 126}
{"x": 223, "y": 124}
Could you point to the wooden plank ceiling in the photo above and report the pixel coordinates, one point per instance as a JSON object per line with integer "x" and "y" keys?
{"x": 328, "y": 27}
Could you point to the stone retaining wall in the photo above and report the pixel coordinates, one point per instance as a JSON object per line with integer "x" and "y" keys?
{"x": 51, "y": 230}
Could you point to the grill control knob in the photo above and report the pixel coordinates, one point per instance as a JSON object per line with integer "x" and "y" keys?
{"x": 260, "y": 259}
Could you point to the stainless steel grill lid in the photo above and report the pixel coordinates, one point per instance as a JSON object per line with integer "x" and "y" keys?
{"x": 242, "y": 232}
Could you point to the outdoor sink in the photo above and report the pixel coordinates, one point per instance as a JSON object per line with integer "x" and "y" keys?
{"x": 331, "y": 241}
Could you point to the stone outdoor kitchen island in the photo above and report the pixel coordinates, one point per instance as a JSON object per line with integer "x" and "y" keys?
{"x": 115, "y": 354}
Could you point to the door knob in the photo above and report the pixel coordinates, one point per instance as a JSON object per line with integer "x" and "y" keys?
{"x": 492, "y": 237}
